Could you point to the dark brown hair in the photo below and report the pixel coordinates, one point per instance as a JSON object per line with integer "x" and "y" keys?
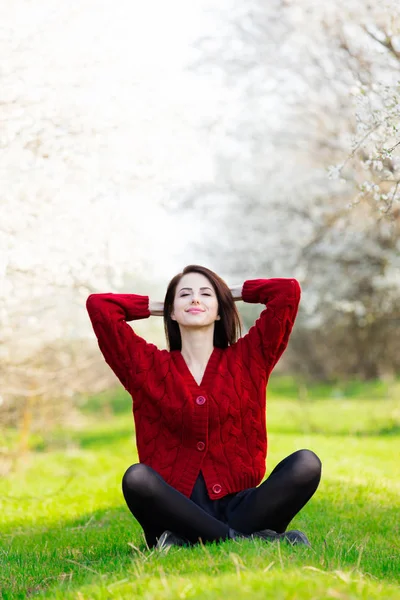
{"x": 226, "y": 331}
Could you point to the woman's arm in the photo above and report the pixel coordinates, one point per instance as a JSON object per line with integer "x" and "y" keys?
{"x": 156, "y": 308}
{"x": 268, "y": 337}
{"x": 128, "y": 355}
{"x": 236, "y": 291}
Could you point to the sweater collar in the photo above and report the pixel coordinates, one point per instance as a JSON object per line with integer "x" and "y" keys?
{"x": 209, "y": 372}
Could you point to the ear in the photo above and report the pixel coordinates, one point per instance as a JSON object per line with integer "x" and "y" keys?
{"x": 218, "y": 318}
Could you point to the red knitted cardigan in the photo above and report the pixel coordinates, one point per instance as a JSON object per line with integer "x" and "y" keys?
{"x": 218, "y": 427}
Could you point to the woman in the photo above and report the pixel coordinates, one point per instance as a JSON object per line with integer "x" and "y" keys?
{"x": 200, "y": 410}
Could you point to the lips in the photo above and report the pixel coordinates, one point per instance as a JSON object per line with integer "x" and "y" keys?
{"x": 195, "y": 310}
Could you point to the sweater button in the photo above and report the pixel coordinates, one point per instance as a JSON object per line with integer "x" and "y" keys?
{"x": 200, "y": 400}
{"x": 217, "y": 488}
{"x": 200, "y": 446}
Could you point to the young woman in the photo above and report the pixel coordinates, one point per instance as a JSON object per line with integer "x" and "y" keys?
{"x": 200, "y": 410}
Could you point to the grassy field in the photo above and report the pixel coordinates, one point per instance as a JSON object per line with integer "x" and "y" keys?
{"x": 66, "y": 532}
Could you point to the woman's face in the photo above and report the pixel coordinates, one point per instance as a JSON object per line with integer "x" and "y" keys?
{"x": 195, "y": 302}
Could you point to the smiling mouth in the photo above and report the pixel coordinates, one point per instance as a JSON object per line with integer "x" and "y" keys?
{"x": 195, "y": 310}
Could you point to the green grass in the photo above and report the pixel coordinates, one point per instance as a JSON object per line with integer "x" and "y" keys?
{"x": 66, "y": 532}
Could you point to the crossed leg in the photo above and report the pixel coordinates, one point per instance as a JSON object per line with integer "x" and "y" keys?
{"x": 158, "y": 506}
{"x": 274, "y": 503}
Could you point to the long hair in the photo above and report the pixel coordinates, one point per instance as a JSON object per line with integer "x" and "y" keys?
{"x": 226, "y": 331}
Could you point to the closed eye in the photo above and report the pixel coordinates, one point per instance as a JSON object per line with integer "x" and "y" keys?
{"x": 182, "y": 295}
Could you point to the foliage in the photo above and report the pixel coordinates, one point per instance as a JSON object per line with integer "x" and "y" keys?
{"x": 307, "y": 179}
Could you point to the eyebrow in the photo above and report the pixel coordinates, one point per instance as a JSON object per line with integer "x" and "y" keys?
{"x": 191, "y": 289}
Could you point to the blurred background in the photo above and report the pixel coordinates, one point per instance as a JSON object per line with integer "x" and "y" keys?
{"x": 260, "y": 139}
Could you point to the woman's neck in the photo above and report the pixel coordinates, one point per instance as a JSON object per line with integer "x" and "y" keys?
{"x": 197, "y": 346}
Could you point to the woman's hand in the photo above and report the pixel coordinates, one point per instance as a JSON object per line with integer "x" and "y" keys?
{"x": 156, "y": 308}
{"x": 236, "y": 291}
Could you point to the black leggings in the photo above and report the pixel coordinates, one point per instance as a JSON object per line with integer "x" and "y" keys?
{"x": 272, "y": 505}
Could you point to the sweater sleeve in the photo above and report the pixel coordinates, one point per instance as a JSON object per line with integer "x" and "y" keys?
{"x": 128, "y": 355}
{"x": 268, "y": 337}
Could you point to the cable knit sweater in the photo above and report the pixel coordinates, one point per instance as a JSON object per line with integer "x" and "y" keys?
{"x": 217, "y": 427}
